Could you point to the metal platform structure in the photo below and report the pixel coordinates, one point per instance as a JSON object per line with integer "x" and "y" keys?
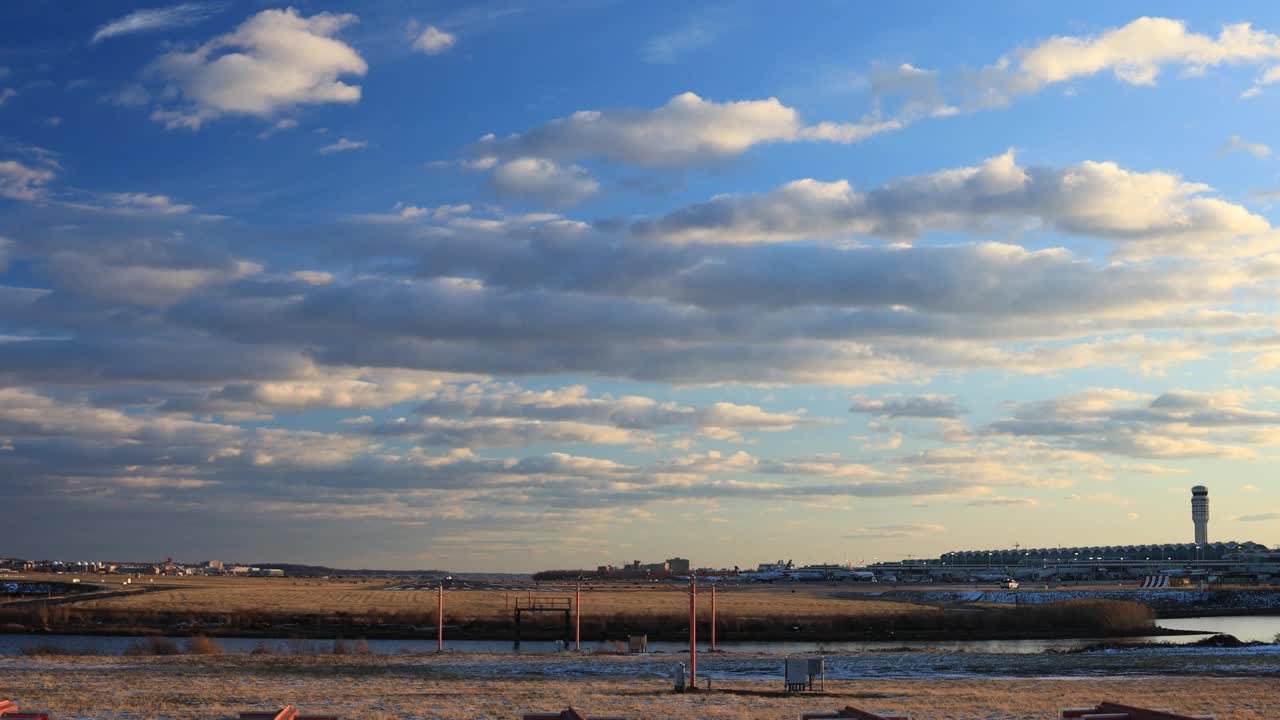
{"x": 537, "y": 604}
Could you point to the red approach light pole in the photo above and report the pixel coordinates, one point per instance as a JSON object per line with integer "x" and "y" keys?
{"x": 577, "y": 618}
{"x": 693, "y": 632}
{"x": 713, "y": 618}
{"x": 440, "y": 620}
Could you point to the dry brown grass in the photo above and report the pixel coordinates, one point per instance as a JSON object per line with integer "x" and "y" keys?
{"x": 191, "y": 687}
{"x": 224, "y": 594}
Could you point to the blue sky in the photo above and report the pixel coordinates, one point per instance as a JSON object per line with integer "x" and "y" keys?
{"x": 512, "y": 286}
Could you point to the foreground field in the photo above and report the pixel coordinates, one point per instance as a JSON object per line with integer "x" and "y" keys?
{"x": 329, "y": 596}
{"x": 187, "y": 688}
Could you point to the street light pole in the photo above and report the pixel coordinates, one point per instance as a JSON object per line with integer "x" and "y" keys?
{"x": 440, "y": 619}
{"x": 713, "y": 618}
{"x": 693, "y": 632}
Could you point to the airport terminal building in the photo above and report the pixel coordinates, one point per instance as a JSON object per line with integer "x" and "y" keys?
{"x": 1039, "y": 557}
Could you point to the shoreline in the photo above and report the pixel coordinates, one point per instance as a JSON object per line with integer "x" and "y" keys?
{"x": 458, "y": 634}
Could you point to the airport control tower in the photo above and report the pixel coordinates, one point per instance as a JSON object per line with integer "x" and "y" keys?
{"x": 1200, "y": 513}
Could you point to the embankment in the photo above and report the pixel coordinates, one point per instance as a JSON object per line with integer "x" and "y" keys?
{"x": 1071, "y": 618}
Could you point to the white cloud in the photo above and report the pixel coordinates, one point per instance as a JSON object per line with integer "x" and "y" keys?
{"x": 128, "y": 96}
{"x": 280, "y": 126}
{"x": 918, "y": 406}
{"x": 1175, "y": 424}
{"x": 1137, "y": 52}
{"x": 848, "y": 133}
{"x": 687, "y": 130}
{"x": 1257, "y": 517}
{"x": 1144, "y": 213}
{"x": 573, "y": 403}
{"x": 1003, "y": 501}
{"x": 876, "y": 532}
{"x": 137, "y": 204}
{"x": 668, "y": 47}
{"x": 20, "y": 182}
{"x": 144, "y": 203}
{"x": 434, "y": 41}
{"x": 1236, "y": 144}
{"x": 149, "y": 20}
{"x": 544, "y": 180}
{"x": 502, "y": 432}
{"x": 131, "y": 280}
{"x": 6, "y": 94}
{"x": 275, "y": 61}
{"x": 313, "y": 277}
{"x": 343, "y": 145}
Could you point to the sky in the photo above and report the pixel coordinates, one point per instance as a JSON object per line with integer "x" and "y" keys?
{"x": 508, "y": 286}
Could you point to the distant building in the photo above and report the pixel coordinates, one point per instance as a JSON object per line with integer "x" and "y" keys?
{"x": 638, "y": 569}
{"x": 1200, "y": 513}
{"x": 1175, "y": 552}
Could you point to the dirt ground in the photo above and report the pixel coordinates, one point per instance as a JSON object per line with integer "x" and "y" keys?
{"x": 374, "y": 688}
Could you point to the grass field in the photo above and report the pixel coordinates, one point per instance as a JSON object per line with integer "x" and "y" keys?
{"x": 286, "y": 595}
{"x": 190, "y": 688}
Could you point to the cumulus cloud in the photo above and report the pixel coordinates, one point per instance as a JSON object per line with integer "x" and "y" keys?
{"x": 142, "y": 281}
{"x": 1136, "y": 52}
{"x": 156, "y": 320}
{"x": 434, "y": 41}
{"x": 273, "y": 62}
{"x": 1142, "y": 212}
{"x": 543, "y": 180}
{"x": 68, "y": 444}
{"x": 690, "y": 130}
{"x": 687, "y": 130}
{"x": 153, "y": 19}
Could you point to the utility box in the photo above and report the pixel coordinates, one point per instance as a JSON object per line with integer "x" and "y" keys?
{"x": 801, "y": 673}
{"x": 796, "y": 671}
{"x": 679, "y": 677}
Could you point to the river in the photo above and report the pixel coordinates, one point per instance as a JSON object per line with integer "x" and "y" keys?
{"x": 1262, "y": 628}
